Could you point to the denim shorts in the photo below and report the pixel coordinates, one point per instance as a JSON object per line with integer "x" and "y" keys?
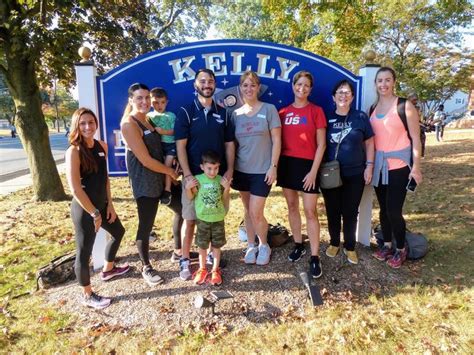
{"x": 254, "y": 183}
{"x": 168, "y": 148}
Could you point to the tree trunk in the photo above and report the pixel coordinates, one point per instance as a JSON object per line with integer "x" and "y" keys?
{"x": 33, "y": 130}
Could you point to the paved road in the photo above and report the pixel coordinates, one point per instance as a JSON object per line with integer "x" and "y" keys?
{"x": 13, "y": 160}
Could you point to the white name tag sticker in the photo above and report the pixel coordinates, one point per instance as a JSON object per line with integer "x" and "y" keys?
{"x": 332, "y": 121}
{"x": 216, "y": 115}
{"x": 146, "y": 132}
{"x": 261, "y": 115}
{"x": 101, "y": 154}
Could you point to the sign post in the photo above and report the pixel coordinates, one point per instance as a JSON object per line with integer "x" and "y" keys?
{"x": 86, "y": 74}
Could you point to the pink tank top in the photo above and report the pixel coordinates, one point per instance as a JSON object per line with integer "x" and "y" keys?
{"x": 390, "y": 135}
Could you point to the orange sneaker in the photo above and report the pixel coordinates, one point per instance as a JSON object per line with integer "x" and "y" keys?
{"x": 216, "y": 277}
{"x": 200, "y": 276}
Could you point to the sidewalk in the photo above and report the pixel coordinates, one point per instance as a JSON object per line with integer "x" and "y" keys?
{"x": 22, "y": 182}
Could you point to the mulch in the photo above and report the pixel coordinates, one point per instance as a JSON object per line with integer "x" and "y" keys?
{"x": 262, "y": 294}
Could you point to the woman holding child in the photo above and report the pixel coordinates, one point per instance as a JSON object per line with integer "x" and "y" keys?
{"x": 144, "y": 157}
{"x": 91, "y": 207}
{"x": 258, "y": 134}
{"x": 303, "y": 144}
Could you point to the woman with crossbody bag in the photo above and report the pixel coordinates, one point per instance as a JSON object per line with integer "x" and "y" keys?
{"x": 349, "y": 141}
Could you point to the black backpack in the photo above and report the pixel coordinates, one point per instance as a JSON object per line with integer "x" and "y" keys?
{"x": 58, "y": 271}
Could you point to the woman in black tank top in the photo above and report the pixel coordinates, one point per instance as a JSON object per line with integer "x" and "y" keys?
{"x": 146, "y": 170}
{"x": 91, "y": 207}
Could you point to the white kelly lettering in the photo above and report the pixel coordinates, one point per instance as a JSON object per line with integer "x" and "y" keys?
{"x": 286, "y": 66}
{"x": 262, "y": 66}
{"x": 237, "y": 63}
{"x": 179, "y": 70}
{"x": 119, "y": 147}
{"x": 214, "y": 62}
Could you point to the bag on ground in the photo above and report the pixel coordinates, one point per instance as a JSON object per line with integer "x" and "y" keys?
{"x": 417, "y": 243}
{"x": 278, "y": 235}
{"x": 58, "y": 271}
{"x": 330, "y": 175}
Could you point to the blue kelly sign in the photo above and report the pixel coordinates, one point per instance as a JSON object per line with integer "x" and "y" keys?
{"x": 173, "y": 68}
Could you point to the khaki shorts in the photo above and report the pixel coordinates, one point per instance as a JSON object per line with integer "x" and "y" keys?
{"x": 188, "y": 211}
{"x": 210, "y": 232}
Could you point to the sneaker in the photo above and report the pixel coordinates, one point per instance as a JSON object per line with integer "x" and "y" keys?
{"x": 95, "y": 301}
{"x": 398, "y": 258}
{"x": 210, "y": 261}
{"x": 264, "y": 253}
{"x": 114, "y": 272}
{"x": 151, "y": 276}
{"x": 251, "y": 255}
{"x": 193, "y": 256}
{"x": 200, "y": 276}
{"x": 332, "y": 251}
{"x": 351, "y": 256}
{"x": 152, "y": 237}
{"x": 184, "y": 272}
{"x": 383, "y": 253}
{"x": 315, "y": 267}
{"x": 216, "y": 277}
{"x": 297, "y": 253}
{"x": 165, "y": 198}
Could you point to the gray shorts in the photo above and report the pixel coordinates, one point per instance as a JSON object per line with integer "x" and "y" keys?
{"x": 188, "y": 211}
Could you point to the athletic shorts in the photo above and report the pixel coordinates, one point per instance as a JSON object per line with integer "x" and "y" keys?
{"x": 254, "y": 183}
{"x": 291, "y": 172}
{"x": 210, "y": 232}
{"x": 168, "y": 148}
{"x": 188, "y": 210}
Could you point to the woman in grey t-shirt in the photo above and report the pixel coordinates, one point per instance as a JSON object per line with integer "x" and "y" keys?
{"x": 258, "y": 134}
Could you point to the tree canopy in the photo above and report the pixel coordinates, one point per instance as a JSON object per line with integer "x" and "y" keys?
{"x": 419, "y": 38}
{"x": 39, "y": 42}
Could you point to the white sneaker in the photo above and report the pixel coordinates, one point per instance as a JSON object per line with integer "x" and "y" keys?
{"x": 96, "y": 301}
{"x": 251, "y": 255}
{"x": 151, "y": 276}
{"x": 184, "y": 272}
{"x": 264, "y": 253}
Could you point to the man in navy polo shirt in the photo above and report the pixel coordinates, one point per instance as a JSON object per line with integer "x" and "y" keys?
{"x": 200, "y": 127}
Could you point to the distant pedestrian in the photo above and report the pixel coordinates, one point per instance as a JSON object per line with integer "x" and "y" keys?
{"x": 13, "y": 131}
{"x": 67, "y": 131}
{"x": 439, "y": 119}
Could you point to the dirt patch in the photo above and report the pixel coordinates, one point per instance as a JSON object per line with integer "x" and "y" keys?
{"x": 262, "y": 294}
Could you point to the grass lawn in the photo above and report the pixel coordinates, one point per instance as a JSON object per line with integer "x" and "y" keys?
{"x": 432, "y": 313}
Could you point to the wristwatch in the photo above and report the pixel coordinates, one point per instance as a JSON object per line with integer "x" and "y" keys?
{"x": 95, "y": 214}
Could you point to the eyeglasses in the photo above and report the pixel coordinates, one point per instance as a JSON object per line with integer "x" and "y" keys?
{"x": 344, "y": 93}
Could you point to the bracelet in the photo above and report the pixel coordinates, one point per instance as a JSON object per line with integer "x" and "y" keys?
{"x": 369, "y": 163}
{"x": 95, "y": 214}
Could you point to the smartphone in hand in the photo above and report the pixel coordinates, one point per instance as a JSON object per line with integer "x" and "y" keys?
{"x": 411, "y": 186}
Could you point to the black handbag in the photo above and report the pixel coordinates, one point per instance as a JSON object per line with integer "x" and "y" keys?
{"x": 330, "y": 172}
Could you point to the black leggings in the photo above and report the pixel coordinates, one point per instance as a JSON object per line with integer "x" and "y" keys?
{"x": 391, "y": 198}
{"x": 85, "y": 237}
{"x": 176, "y": 207}
{"x": 147, "y": 208}
{"x": 344, "y": 202}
